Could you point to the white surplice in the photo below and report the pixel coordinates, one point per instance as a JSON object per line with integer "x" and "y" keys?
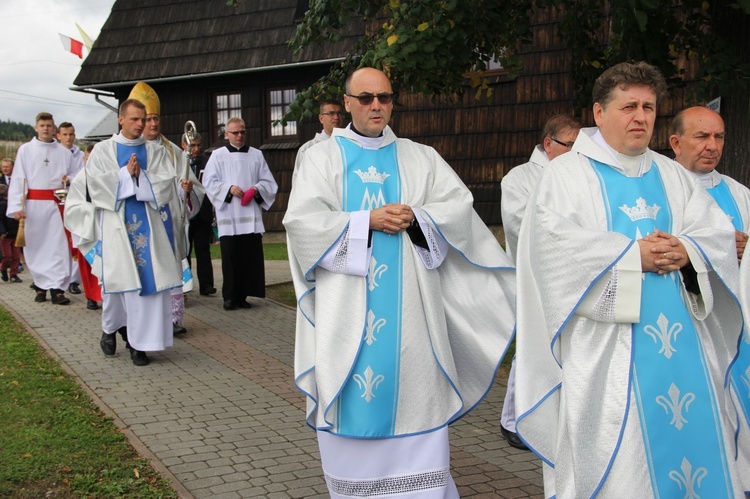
{"x": 43, "y": 165}
{"x": 319, "y": 137}
{"x": 244, "y": 169}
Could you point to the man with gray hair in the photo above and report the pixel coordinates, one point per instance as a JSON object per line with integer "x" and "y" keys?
{"x": 557, "y": 137}
{"x": 239, "y": 184}
{"x": 626, "y": 319}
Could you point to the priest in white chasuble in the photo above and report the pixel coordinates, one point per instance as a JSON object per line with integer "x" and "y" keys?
{"x": 628, "y": 316}
{"x": 120, "y": 208}
{"x": 42, "y": 167}
{"x": 405, "y": 302}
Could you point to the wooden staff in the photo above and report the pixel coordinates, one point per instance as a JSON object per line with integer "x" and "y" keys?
{"x": 21, "y": 235}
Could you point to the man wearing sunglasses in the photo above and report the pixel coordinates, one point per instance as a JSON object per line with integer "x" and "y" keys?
{"x": 331, "y": 116}
{"x": 558, "y": 135}
{"x": 239, "y": 183}
{"x": 395, "y": 340}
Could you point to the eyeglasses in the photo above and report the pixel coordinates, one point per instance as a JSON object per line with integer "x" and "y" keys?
{"x": 366, "y": 99}
{"x": 333, "y": 113}
{"x": 567, "y": 145}
{"x": 239, "y": 132}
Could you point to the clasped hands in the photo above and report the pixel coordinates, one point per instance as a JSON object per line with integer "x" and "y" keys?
{"x": 391, "y": 218}
{"x": 662, "y": 253}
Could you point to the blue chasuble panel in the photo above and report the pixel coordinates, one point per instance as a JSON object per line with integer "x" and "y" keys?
{"x": 670, "y": 379}
{"x": 137, "y": 224}
{"x": 367, "y": 403}
{"x": 740, "y": 372}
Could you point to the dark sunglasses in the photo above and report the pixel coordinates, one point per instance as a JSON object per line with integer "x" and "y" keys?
{"x": 240, "y": 132}
{"x": 366, "y": 99}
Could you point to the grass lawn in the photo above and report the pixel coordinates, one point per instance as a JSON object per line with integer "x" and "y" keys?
{"x": 54, "y": 442}
{"x": 271, "y": 251}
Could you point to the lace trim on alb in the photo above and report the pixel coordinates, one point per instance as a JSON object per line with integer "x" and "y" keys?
{"x": 341, "y": 258}
{"x": 606, "y": 305}
{"x": 401, "y": 484}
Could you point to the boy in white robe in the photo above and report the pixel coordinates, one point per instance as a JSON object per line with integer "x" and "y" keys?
{"x": 42, "y": 167}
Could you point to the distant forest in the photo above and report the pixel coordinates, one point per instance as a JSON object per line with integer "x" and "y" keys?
{"x": 11, "y": 130}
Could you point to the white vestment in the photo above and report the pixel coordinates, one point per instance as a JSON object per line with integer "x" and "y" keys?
{"x": 579, "y": 288}
{"x": 103, "y": 232}
{"x": 75, "y": 273}
{"x": 517, "y": 187}
{"x": 453, "y": 337}
{"x": 42, "y": 165}
{"x": 245, "y": 169}
{"x": 319, "y": 137}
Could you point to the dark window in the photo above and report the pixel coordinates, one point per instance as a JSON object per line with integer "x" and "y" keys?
{"x": 278, "y": 104}
{"x": 226, "y": 105}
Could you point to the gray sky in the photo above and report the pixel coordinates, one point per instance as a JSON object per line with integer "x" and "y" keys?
{"x": 35, "y": 71}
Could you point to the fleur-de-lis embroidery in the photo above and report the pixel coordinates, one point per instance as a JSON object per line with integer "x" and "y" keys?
{"x": 746, "y": 380}
{"x": 665, "y": 333}
{"x": 373, "y": 326}
{"x": 374, "y": 273}
{"x": 689, "y": 480}
{"x": 368, "y": 383}
{"x": 676, "y": 404}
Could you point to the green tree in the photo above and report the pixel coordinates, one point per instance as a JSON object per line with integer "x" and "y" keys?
{"x": 432, "y": 47}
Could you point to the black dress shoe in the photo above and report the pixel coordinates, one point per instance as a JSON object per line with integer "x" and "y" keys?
{"x": 228, "y": 305}
{"x": 15, "y": 278}
{"x": 512, "y": 439}
{"x": 108, "y": 343}
{"x": 58, "y": 297}
{"x": 139, "y": 358}
{"x": 91, "y": 304}
{"x": 41, "y": 295}
{"x": 243, "y": 304}
{"x": 208, "y": 291}
{"x": 74, "y": 289}
{"x": 177, "y": 329}
{"x": 4, "y": 275}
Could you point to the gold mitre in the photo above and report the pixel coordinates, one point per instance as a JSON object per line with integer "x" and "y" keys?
{"x": 143, "y": 92}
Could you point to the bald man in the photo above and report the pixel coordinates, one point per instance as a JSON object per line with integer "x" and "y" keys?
{"x": 697, "y": 139}
{"x": 394, "y": 341}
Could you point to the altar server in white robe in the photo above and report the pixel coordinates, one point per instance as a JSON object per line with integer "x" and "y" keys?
{"x": 240, "y": 184}
{"x": 66, "y": 135}
{"x": 43, "y": 166}
{"x": 558, "y": 134}
{"x": 628, "y": 316}
{"x": 191, "y": 192}
{"x": 697, "y": 139}
{"x": 394, "y": 338}
{"x": 126, "y": 230}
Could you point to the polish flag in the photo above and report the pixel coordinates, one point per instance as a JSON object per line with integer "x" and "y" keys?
{"x": 72, "y": 46}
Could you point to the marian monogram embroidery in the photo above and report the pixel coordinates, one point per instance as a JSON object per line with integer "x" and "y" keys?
{"x": 368, "y": 383}
{"x": 641, "y": 210}
{"x": 688, "y": 480}
{"x": 372, "y": 201}
{"x": 675, "y": 404}
{"x": 665, "y": 333}
{"x": 373, "y": 326}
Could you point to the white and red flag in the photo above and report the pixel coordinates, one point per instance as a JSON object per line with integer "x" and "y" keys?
{"x": 71, "y": 45}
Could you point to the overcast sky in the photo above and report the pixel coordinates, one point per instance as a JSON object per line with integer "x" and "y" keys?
{"x": 35, "y": 71}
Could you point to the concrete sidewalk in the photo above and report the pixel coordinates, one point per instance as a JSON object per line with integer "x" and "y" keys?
{"x": 219, "y": 414}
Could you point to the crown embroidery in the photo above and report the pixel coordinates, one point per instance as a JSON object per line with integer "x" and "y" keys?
{"x": 641, "y": 210}
{"x": 372, "y": 175}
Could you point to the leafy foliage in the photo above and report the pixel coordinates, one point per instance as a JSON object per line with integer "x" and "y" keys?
{"x": 432, "y": 46}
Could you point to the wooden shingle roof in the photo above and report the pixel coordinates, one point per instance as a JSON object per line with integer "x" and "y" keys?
{"x": 153, "y": 39}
